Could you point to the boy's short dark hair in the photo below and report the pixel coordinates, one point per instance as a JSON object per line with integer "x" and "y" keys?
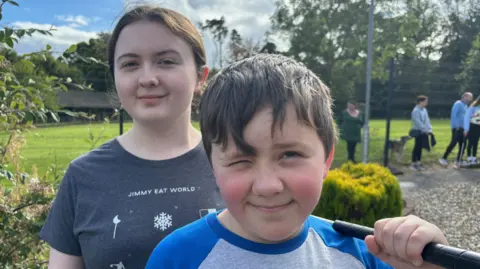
{"x": 421, "y": 98}
{"x": 237, "y": 92}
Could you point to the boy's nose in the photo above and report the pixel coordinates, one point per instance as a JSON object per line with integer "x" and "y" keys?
{"x": 267, "y": 183}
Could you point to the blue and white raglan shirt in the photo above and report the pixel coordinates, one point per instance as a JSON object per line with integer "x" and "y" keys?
{"x": 206, "y": 243}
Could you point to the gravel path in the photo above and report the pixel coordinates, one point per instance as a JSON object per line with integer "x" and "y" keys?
{"x": 450, "y": 199}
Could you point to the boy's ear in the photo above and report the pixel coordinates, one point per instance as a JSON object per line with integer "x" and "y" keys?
{"x": 328, "y": 162}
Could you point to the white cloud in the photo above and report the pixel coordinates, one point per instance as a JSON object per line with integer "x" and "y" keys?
{"x": 79, "y": 19}
{"x": 63, "y": 37}
{"x": 251, "y": 18}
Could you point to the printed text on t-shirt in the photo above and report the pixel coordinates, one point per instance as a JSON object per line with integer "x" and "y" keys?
{"x": 161, "y": 191}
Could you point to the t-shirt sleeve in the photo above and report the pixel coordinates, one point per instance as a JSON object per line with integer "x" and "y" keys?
{"x": 372, "y": 262}
{"x": 58, "y": 230}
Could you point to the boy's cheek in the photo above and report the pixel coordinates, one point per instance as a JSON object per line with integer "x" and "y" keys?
{"x": 233, "y": 189}
{"x": 306, "y": 190}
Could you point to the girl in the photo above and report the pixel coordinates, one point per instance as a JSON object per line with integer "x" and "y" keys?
{"x": 421, "y": 129}
{"x": 117, "y": 202}
{"x": 472, "y": 130}
{"x": 351, "y": 123}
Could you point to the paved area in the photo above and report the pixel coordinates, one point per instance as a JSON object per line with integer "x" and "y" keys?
{"x": 449, "y": 198}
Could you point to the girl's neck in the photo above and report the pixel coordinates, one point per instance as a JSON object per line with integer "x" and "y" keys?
{"x": 161, "y": 141}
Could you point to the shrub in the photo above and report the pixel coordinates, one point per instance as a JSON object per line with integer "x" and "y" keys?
{"x": 361, "y": 194}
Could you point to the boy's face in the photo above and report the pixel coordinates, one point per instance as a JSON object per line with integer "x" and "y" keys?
{"x": 269, "y": 195}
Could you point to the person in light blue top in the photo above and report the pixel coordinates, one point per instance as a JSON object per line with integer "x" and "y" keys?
{"x": 268, "y": 129}
{"x": 421, "y": 128}
{"x": 471, "y": 127}
{"x": 456, "y": 123}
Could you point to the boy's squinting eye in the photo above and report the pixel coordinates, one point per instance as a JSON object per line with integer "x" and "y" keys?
{"x": 238, "y": 162}
{"x": 290, "y": 154}
{"x": 166, "y": 61}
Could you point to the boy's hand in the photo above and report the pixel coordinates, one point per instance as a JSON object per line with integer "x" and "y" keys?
{"x": 400, "y": 241}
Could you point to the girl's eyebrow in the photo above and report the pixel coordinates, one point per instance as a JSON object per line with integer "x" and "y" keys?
{"x": 160, "y": 53}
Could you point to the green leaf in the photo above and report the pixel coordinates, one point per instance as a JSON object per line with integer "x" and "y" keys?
{"x": 8, "y": 31}
{"x": 20, "y": 33}
{"x": 9, "y": 42}
{"x": 72, "y": 49}
{"x": 6, "y": 183}
{"x": 49, "y": 47}
{"x": 54, "y": 116}
{"x": 13, "y": 3}
{"x": 68, "y": 112}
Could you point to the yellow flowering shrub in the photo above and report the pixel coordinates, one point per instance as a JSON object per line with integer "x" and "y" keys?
{"x": 360, "y": 193}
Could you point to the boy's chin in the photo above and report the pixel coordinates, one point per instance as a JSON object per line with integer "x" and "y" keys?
{"x": 273, "y": 234}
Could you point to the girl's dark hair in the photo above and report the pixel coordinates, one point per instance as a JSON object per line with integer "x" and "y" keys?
{"x": 421, "y": 98}
{"x": 176, "y": 22}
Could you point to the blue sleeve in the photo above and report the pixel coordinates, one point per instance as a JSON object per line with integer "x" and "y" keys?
{"x": 185, "y": 248}
{"x": 353, "y": 246}
{"x": 454, "y": 114}
{"x": 466, "y": 119}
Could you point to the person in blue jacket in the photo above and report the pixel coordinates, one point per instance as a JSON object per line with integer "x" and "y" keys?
{"x": 456, "y": 123}
{"x": 472, "y": 131}
{"x": 268, "y": 129}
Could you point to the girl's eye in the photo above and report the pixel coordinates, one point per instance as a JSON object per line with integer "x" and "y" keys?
{"x": 129, "y": 64}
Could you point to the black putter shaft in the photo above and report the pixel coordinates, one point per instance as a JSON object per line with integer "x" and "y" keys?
{"x": 438, "y": 254}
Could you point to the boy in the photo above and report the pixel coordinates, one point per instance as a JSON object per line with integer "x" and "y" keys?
{"x": 269, "y": 133}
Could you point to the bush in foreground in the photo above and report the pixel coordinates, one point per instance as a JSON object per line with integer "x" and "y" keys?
{"x": 361, "y": 194}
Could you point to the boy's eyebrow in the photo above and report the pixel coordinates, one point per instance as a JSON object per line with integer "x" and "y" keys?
{"x": 160, "y": 53}
{"x": 290, "y": 144}
{"x": 234, "y": 154}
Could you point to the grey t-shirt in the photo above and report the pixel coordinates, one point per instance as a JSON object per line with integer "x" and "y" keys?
{"x": 113, "y": 208}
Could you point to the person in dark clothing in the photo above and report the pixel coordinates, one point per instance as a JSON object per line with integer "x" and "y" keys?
{"x": 351, "y": 122}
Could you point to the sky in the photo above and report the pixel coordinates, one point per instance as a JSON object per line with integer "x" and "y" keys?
{"x": 79, "y": 20}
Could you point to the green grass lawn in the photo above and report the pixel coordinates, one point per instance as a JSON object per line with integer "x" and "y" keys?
{"x": 64, "y": 143}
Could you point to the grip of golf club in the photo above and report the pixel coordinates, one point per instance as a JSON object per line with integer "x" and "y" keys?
{"x": 441, "y": 255}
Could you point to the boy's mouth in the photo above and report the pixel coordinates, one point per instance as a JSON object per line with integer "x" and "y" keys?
{"x": 272, "y": 208}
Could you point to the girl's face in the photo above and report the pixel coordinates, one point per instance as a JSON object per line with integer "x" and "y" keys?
{"x": 155, "y": 72}
{"x": 351, "y": 106}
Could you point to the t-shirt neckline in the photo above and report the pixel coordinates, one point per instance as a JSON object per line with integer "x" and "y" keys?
{"x": 261, "y": 248}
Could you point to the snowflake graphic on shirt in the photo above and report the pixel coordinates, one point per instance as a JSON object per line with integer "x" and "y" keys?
{"x": 162, "y": 221}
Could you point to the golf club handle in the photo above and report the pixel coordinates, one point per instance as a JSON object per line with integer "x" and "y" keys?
{"x": 438, "y": 254}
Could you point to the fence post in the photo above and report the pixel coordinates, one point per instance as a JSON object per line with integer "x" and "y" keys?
{"x": 388, "y": 113}
{"x": 120, "y": 114}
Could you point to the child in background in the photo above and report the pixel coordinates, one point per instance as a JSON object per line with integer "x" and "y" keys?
{"x": 472, "y": 131}
{"x": 268, "y": 129}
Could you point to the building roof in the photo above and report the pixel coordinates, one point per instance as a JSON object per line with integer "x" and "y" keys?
{"x": 85, "y": 99}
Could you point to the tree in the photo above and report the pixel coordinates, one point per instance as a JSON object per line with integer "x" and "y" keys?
{"x": 91, "y": 58}
{"x": 24, "y": 197}
{"x": 219, "y": 31}
{"x": 242, "y": 48}
{"x": 470, "y": 75}
{"x": 330, "y": 37}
